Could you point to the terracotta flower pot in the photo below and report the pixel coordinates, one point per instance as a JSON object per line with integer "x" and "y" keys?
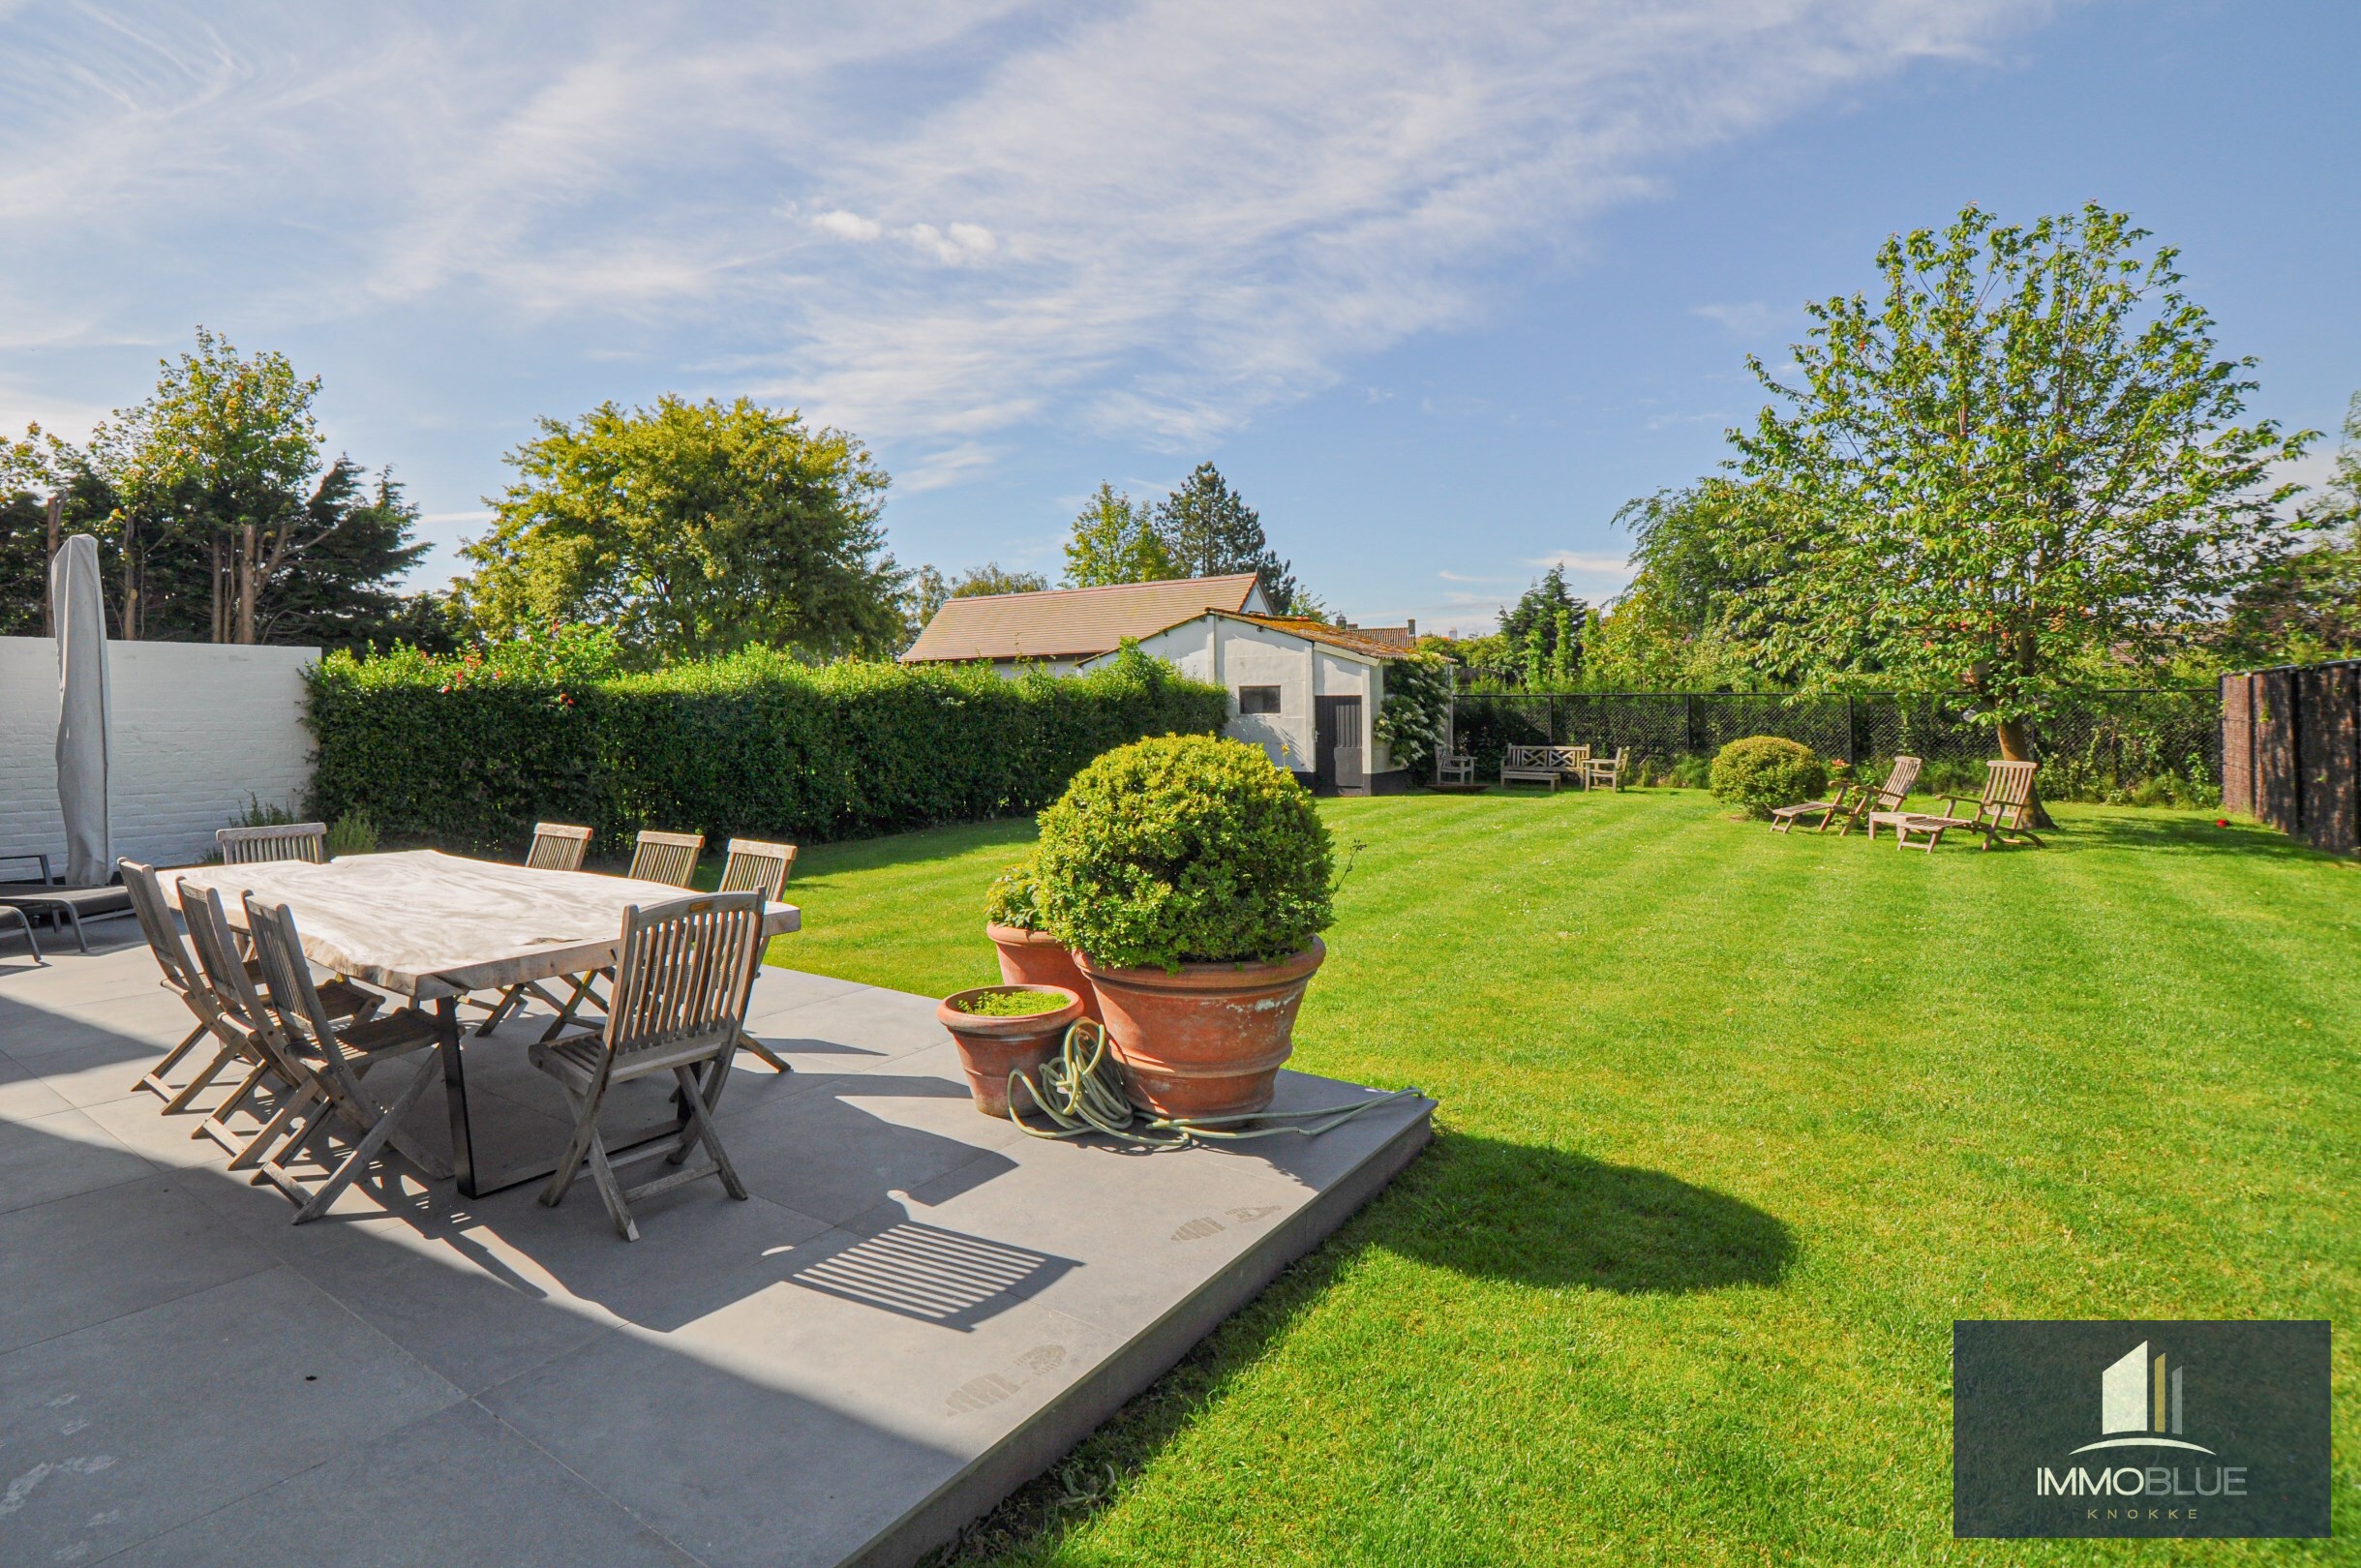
{"x": 1038, "y": 959}
{"x": 1207, "y": 1042}
{"x": 991, "y": 1048}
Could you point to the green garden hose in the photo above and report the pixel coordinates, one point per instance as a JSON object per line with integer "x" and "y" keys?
{"x": 1080, "y": 1090}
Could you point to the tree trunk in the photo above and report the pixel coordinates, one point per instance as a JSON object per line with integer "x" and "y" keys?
{"x": 248, "y": 585}
{"x": 220, "y": 602}
{"x": 2015, "y": 748}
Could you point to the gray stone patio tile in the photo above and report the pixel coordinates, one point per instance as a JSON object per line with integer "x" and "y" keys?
{"x": 46, "y": 1157}
{"x": 846, "y": 1145}
{"x": 456, "y": 1488}
{"x": 779, "y": 987}
{"x": 131, "y": 1426}
{"x": 140, "y": 1024}
{"x": 792, "y": 1426}
{"x": 104, "y": 1068}
{"x": 100, "y": 1255}
{"x": 23, "y": 1095}
{"x": 138, "y": 1122}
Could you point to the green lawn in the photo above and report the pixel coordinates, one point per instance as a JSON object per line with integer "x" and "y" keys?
{"x": 1733, "y": 1127}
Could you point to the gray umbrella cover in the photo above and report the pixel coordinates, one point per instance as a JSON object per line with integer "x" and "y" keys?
{"x": 83, "y": 711}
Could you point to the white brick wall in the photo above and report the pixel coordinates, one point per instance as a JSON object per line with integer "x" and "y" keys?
{"x": 198, "y": 728}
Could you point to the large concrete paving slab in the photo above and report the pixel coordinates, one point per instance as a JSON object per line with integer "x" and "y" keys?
{"x": 918, "y": 1309}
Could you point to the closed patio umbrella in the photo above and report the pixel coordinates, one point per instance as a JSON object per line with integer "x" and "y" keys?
{"x": 84, "y": 700}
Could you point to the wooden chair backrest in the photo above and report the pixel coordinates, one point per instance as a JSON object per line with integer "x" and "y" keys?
{"x": 2008, "y": 792}
{"x": 683, "y": 975}
{"x": 279, "y": 952}
{"x": 1899, "y": 782}
{"x": 556, "y": 847}
{"x": 164, "y": 938}
{"x": 233, "y": 989}
{"x": 1564, "y": 759}
{"x": 666, "y": 858}
{"x": 757, "y": 867}
{"x": 282, "y": 841}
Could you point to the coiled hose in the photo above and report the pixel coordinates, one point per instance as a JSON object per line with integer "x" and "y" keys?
{"x": 1080, "y": 1090}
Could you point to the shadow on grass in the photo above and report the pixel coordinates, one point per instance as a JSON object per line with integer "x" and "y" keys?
{"x": 1542, "y": 1217}
{"x": 1476, "y": 1206}
{"x": 2177, "y": 834}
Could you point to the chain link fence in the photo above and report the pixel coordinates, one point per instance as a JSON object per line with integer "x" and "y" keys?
{"x": 2152, "y": 745}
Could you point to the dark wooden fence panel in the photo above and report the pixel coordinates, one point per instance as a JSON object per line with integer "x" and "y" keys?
{"x": 2238, "y": 744}
{"x": 2299, "y": 731}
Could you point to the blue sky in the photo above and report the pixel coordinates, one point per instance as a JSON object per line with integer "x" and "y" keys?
{"x": 1438, "y": 288}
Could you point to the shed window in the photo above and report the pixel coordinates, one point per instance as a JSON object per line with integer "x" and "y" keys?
{"x": 1258, "y": 699}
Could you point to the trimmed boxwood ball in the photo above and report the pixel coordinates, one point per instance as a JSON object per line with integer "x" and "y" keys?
{"x": 1764, "y": 771}
{"x": 1184, "y": 849}
{"x": 1013, "y": 900}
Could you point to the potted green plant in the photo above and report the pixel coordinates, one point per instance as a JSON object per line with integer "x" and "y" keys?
{"x": 1190, "y": 878}
{"x": 1005, "y": 1029}
{"x": 1028, "y": 954}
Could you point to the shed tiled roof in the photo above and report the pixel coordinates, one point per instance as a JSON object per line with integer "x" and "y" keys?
{"x": 1319, "y": 631}
{"x": 1072, "y": 623}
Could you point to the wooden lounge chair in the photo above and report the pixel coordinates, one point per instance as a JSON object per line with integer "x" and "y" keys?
{"x": 1607, "y": 770}
{"x": 754, "y": 866}
{"x": 2001, "y": 813}
{"x": 334, "y": 1059}
{"x": 1854, "y": 801}
{"x": 280, "y": 841}
{"x": 680, "y": 991}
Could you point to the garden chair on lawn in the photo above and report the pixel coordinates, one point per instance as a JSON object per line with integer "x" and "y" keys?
{"x": 667, "y": 857}
{"x": 280, "y": 841}
{"x": 681, "y": 987}
{"x": 754, "y": 866}
{"x": 1607, "y": 770}
{"x": 556, "y": 847}
{"x": 1854, "y": 800}
{"x": 1542, "y": 765}
{"x": 1457, "y": 768}
{"x": 2001, "y": 812}
{"x": 334, "y": 1059}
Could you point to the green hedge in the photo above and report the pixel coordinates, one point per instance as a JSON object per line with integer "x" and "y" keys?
{"x": 472, "y": 752}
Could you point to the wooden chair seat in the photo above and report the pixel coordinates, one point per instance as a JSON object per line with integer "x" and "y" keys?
{"x": 1853, "y": 800}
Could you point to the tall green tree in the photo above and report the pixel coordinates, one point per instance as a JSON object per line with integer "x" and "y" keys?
{"x": 335, "y": 591}
{"x": 1114, "y": 540}
{"x": 692, "y": 528}
{"x": 1544, "y": 626}
{"x": 1210, "y": 531}
{"x": 2020, "y": 465}
{"x": 2308, "y": 607}
{"x": 978, "y": 582}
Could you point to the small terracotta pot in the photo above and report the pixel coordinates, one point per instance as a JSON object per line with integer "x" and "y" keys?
{"x": 1207, "y": 1042}
{"x": 991, "y": 1048}
{"x": 1036, "y": 959}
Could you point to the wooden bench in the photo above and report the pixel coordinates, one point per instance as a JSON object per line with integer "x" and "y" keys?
{"x": 1542, "y": 765}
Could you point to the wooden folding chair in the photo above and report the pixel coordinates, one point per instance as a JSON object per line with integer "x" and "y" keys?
{"x": 244, "y": 1027}
{"x": 754, "y": 866}
{"x": 1854, "y": 801}
{"x": 334, "y": 1060}
{"x": 280, "y": 841}
{"x": 556, "y": 847}
{"x": 667, "y": 857}
{"x": 180, "y": 978}
{"x": 1607, "y": 770}
{"x": 681, "y": 989}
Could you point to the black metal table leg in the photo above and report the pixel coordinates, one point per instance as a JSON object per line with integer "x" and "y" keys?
{"x": 455, "y": 1095}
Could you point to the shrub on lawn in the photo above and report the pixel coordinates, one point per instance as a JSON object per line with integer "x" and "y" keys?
{"x": 1764, "y": 771}
{"x": 471, "y": 751}
{"x": 1185, "y": 849}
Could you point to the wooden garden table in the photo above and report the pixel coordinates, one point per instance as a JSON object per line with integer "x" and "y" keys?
{"x": 434, "y": 928}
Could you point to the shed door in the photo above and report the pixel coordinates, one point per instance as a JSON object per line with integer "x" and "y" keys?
{"x": 1339, "y": 763}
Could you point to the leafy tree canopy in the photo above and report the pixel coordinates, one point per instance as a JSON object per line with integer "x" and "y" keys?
{"x": 692, "y": 530}
{"x": 2018, "y": 465}
{"x": 1114, "y": 540}
{"x": 2307, "y": 606}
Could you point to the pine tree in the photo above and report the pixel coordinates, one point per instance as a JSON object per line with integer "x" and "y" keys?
{"x": 1210, "y": 531}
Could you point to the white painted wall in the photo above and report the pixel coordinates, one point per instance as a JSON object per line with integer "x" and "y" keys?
{"x": 1233, "y": 654}
{"x": 198, "y": 728}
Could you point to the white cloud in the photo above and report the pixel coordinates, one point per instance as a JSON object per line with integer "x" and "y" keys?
{"x": 1151, "y": 221}
{"x": 849, "y": 225}
{"x": 1750, "y": 319}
